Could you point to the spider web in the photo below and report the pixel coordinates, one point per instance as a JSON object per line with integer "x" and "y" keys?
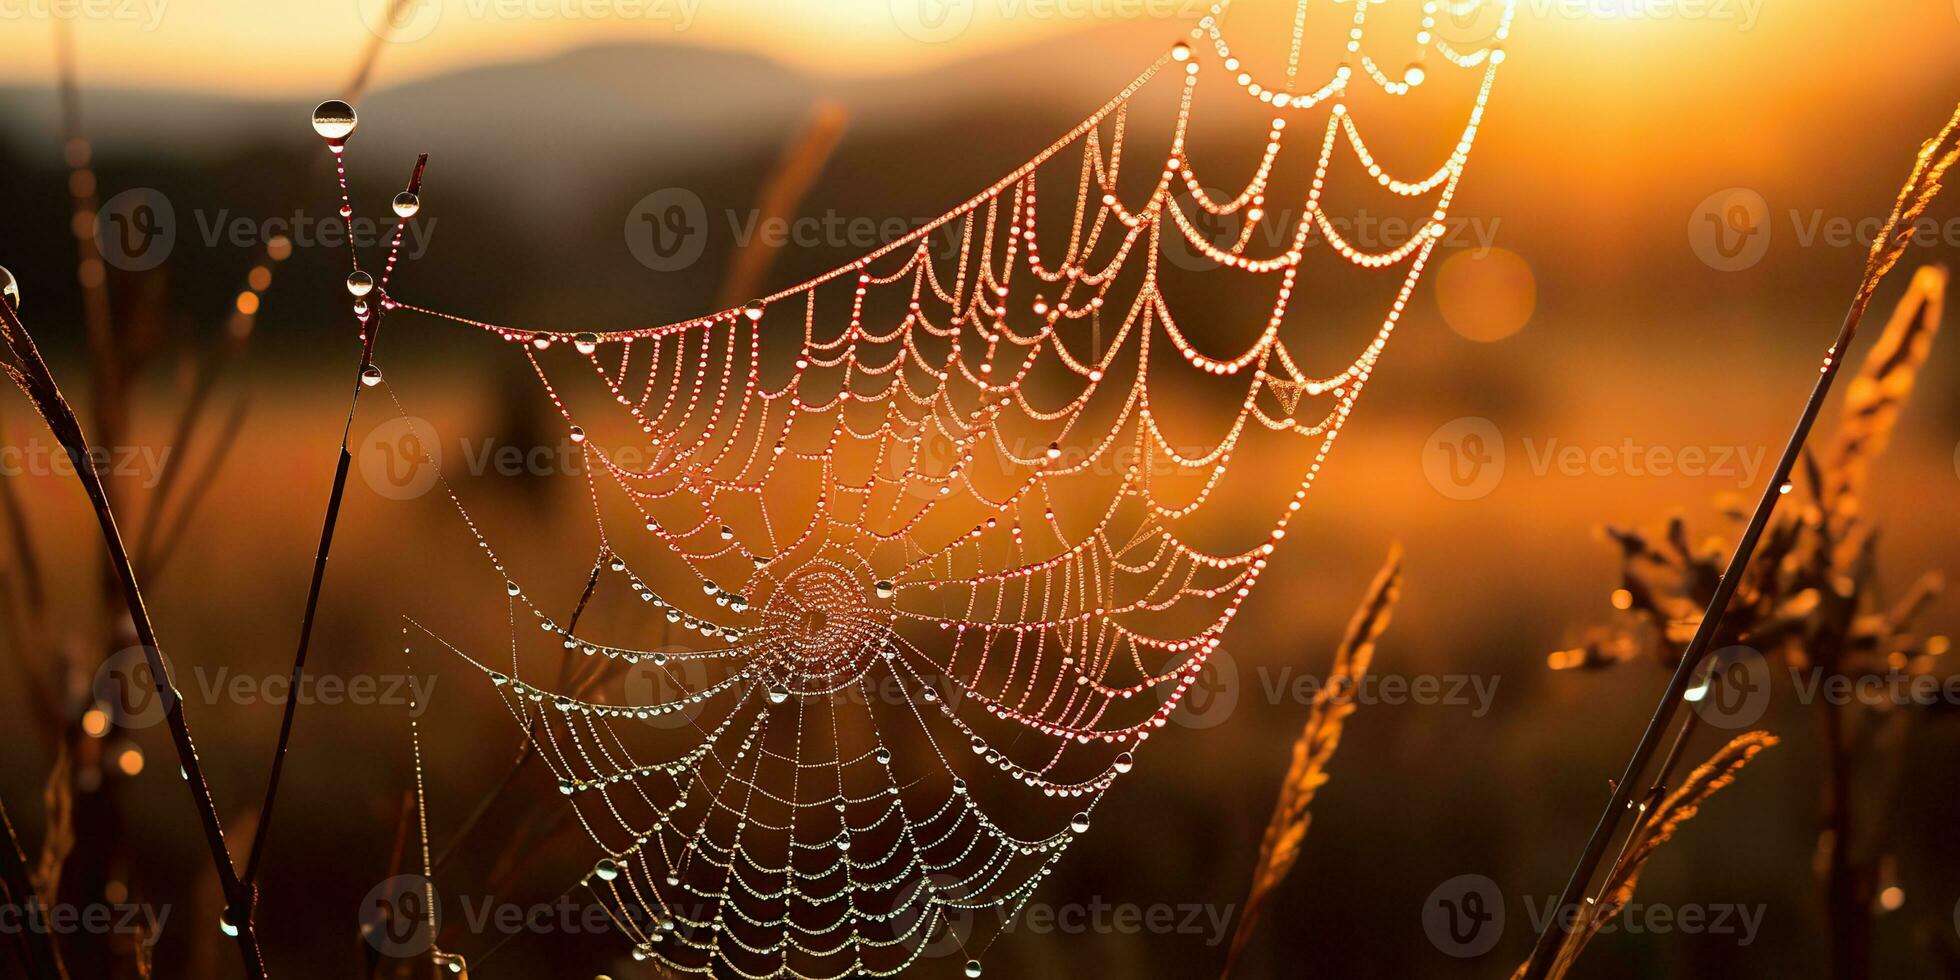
{"x": 947, "y": 555}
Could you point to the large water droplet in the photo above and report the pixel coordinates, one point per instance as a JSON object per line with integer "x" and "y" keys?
{"x": 1414, "y": 74}
{"x": 9, "y": 288}
{"x": 883, "y": 755}
{"x": 370, "y": 375}
{"x": 972, "y": 968}
{"x": 778, "y": 693}
{"x": 406, "y": 204}
{"x": 334, "y": 119}
{"x": 360, "y": 283}
{"x": 885, "y": 589}
{"x": 1125, "y": 762}
{"x": 577, "y": 433}
{"x": 586, "y": 342}
{"x": 1080, "y": 823}
{"x": 227, "y": 924}
{"x": 607, "y": 869}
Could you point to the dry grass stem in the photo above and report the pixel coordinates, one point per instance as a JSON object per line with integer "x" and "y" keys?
{"x": 1656, "y": 829}
{"x": 1326, "y": 720}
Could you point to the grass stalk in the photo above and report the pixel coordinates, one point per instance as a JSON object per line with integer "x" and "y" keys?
{"x": 376, "y": 311}
{"x": 28, "y": 370}
{"x": 38, "y": 950}
{"x": 1935, "y": 158}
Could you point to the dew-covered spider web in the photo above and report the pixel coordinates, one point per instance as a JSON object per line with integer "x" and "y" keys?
{"x": 953, "y": 528}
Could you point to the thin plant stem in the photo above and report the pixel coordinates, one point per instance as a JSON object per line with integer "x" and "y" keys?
{"x": 527, "y": 747}
{"x": 1936, "y": 157}
{"x": 37, "y": 945}
{"x": 327, "y": 526}
{"x": 31, "y": 372}
{"x": 1550, "y": 941}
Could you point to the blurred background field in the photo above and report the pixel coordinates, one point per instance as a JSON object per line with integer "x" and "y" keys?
{"x": 1578, "y": 311}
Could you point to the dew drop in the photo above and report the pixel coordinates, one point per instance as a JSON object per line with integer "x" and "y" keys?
{"x": 1080, "y": 823}
{"x": 9, "y": 288}
{"x": 778, "y": 693}
{"x": 406, "y": 204}
{"x": 1181, "y": 51}
{"x": 727, "y": 533}
{"x": 370, "y": 375}
{"x": 973, "y": 966}
{"x": 512, "y": 588}
{"x": 883, "y": 755}
{"x": 360, "y": 307}
{"x": 227, "y": 925}
{"x": 1414, "y": 74}
{"x": 885, "y": 589}
{"x": 753, "y": 311}
{"x": 607, "y": 869}
{"x": 334, "y": 119}
{"x": 577, "y": 433}
{"x": 360, "y": 283}
{"x": 1125, "y": 762}
{"x": 565, "y": 786}
{"x": 586, "y": 343}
